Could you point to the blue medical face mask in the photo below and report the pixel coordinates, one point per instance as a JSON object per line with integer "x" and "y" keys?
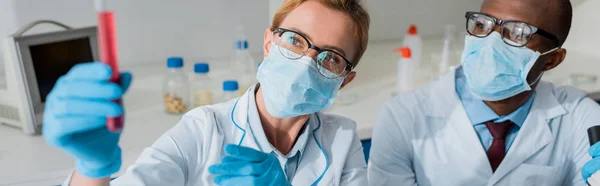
{"x": 496, "y": 71}
{"x": 295, "y": 87}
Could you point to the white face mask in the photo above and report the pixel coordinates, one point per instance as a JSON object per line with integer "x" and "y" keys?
{"x": 295, "y": 87}
{"x": 496, "y": 71}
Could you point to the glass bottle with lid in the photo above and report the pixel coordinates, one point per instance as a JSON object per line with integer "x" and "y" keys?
{"x": 202, "y": 85}
{"x": 176, "y": 87}
{"x": 230, "y": 90}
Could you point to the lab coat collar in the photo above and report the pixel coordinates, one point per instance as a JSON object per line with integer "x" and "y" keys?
{"x": 463, "y": 146}
{"x": 533, "y": 136}
{"x": 535, "y": 133}
{"x": 259, "y": 133}
{"x": 314, "y": 161}
{"x": 479, "y": 112}
{"x": 247, "y": 118}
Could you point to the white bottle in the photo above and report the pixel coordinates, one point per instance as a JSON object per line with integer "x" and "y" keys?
{"x": 230, "y": 90}
{"x": 202, "y": 86}
{"x": 413, "y": 41}
{"x": 176, "y": 87}
{"x": 244, "y": 66}
{"x": 406, "y": 71}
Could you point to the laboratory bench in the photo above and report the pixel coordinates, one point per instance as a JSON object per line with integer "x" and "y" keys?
{"x": 28, "y": 160}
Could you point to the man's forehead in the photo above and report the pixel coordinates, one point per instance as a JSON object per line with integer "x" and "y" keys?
{"x": 530, "y": 11}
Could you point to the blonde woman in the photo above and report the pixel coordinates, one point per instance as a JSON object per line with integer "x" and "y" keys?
{"x": 274, "y": 134}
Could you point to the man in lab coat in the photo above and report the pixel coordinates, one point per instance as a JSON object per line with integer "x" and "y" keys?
{"x": 491, "y": 121}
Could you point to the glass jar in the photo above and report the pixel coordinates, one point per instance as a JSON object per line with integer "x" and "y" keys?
{"x": 176, "y": 87}
{"x": 202, "y": 85}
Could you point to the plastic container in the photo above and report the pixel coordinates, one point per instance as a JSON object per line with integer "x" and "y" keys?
{"x": 594, "y": 134}
{"x": 447, "y": 55}
{"x": 406, "y": 71}
{"x": 176, "y": 87}
{"x": 413, "y": 41}
{"x": 243, "y": 66}
{"x": 202, "y": 85}
{"x": 230, "y": 90}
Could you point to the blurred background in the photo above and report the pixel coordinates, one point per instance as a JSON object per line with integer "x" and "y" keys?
{"x": 150, "y": 31}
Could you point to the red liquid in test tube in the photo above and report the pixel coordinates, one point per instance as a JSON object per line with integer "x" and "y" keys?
{"x": 108, "y": 54}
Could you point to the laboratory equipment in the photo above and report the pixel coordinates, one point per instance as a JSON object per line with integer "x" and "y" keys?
{"x": 434, "y": 67}
{"x": 590, "y": 169}
{"x": 405, "y": 71}
{"x": 230, "y": 90}
{"x": 413, "y": 41}
{"x": 176, "y": 87}
{"x": 594, "y": 134}
{"x": 244, "y": 66}
{"x": 202, "y": 85}
{"x": 27, "y": 60}
{"x": 107, "y": 38}
{"x": 447, "y": 53}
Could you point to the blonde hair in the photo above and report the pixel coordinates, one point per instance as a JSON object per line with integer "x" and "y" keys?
{"x": 353, "y": 8}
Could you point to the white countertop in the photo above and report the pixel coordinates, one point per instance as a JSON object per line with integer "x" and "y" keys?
{"x": 28, "y": 160}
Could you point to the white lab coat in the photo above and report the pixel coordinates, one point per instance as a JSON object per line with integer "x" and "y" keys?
{"x": 333, "y": 154}
{"x": 425, "y": 137}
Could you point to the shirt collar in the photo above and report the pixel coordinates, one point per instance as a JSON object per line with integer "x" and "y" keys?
{"x": 478, "y": 112}
{"x": 259, "y": 133}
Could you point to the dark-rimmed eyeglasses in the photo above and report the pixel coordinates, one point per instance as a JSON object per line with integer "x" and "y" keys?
{"x": 514, "y": 33}
{"x": 294, "y": 45}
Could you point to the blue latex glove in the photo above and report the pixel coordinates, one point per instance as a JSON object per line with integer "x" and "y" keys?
{"x": 246, "y": 166}
{"x": 593, "y": 165}
{"x": 75, "y": 118}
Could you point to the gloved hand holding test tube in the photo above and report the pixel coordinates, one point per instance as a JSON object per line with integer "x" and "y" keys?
{"x": 83, "y": 115}
{"x": 108, "y": 53}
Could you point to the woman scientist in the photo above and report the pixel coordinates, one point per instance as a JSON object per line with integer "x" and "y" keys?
{"x": 273, "y": 135}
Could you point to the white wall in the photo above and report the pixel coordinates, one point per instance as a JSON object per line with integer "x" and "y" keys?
{"x": 390, "y": 18}
{"x": 584, "y": 41}
{"x": 584, "y": 35}
{"x": 7, "y": 26}
{"x": 273, "y": 6}
{"x": 151, "y": 30}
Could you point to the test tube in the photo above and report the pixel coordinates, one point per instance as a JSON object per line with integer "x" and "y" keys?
{"x": 108, "y": 54}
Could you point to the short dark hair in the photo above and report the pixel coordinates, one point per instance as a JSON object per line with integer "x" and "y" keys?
{"x": 557, "y": 15}
{"x": 564, "y": 17}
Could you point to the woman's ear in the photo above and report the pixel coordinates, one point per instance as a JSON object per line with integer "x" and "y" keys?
{"x": 268, "y": 39}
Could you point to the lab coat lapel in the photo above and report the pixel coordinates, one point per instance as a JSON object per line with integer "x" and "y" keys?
{"x": 314, "y": 162}
{"x": 240, "y": 117}
{"x": 460, "y": 141}
{"x": 463, "y": 146}
{"x": 534, "y": 134}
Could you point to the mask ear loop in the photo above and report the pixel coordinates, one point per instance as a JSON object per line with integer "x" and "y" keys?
{"x": 540, "y": 76}
{"x": 537, "y": 79}
{"x": 550, "y": 51}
